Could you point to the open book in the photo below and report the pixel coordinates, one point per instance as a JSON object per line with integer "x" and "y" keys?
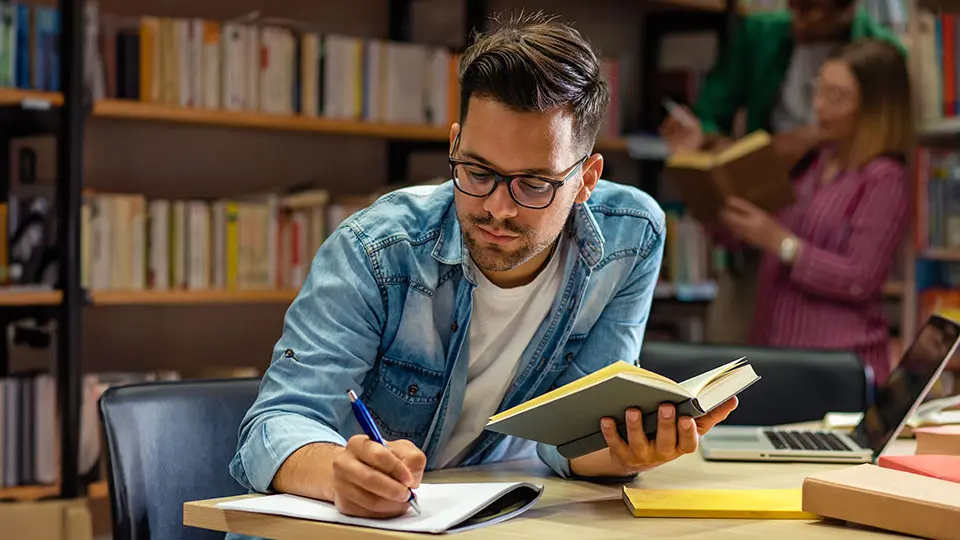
{"x": 748, "y": 169}
{"x": 569, "y": 417}
{"x": 446, "y": 508}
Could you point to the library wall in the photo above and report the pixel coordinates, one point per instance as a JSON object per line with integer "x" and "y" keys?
{"x": 189, "y": 161}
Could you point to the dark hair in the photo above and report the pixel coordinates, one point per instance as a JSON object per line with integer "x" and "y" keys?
{"x": 531, "y": 63}
{"x": 885, "y": 120}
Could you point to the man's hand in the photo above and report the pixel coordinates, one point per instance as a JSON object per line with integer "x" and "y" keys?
{"x": 370, "y": 480}
{"x": 638, "y": 453}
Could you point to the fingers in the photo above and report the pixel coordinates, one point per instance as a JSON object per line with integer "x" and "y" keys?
{"x": 383, "y": 459}
{"x": 688, "y": 438}
{"x": 412, "y": 457}
{"x": 352, "y": 471}
{"x": 618, "y": 448}
{"x": 353, "y": 500}
{"x": 666, "y": 444}
{"x": 706, "y": 422}
{"x": 639, "y": 442}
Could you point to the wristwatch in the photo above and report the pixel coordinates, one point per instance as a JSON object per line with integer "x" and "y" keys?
{"x": 788, "y": 249}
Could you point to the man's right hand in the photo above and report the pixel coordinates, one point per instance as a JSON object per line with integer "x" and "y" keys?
{"x": 371, "y": 480}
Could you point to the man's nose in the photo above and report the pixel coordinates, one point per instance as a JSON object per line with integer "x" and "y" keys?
{"x": 500, "y": 204}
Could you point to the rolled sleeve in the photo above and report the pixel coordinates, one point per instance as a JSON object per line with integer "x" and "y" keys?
{"x": 272, "y": 440}
{"x": 330, "y": 339}
{"x": 551, "y": 457}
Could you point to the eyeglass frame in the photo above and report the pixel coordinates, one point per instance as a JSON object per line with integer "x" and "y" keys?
{"x": 508, "y": 179}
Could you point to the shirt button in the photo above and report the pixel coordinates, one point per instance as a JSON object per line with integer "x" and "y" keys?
{"x": 288, "y": 353}
{"x": 453, "y": 327}
{"x": 412, "y": 389}
{"x": 569, "y": 357}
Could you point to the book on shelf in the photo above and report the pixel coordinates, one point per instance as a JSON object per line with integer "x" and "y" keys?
{"x": 569, "y": 417}
{"x": 748, "y": 169}
{"x": 249, "y": 65}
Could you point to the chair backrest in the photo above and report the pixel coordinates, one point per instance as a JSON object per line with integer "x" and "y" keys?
{"x": 797, "y": 385}
{"x": 169, "y": 443}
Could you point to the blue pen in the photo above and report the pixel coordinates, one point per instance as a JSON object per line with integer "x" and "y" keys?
{"x": 370, "y": 428}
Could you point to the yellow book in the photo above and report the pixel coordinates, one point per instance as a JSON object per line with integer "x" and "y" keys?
{"x": 717, "y": 503}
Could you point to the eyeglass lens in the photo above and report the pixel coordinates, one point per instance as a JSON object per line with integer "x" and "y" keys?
{"x": 480, "y": 182}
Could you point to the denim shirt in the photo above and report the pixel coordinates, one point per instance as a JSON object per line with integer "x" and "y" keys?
{"x": 385, "y": 310}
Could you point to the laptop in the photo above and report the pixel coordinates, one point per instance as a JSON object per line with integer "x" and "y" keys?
{"x": 907, "y": 386}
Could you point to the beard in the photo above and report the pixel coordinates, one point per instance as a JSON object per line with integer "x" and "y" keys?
{"x": 495, "y": 258}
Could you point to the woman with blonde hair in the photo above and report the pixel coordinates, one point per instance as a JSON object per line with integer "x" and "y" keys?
{"x": 825, "y": 259}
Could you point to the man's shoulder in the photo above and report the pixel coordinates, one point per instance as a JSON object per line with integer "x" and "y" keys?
{"x": 412, "y": 214}
{"x": 612, "y": 202}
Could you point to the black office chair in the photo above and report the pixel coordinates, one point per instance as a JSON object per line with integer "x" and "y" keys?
{"x": 169, "y": 443}
{"x": 797, "y": 385}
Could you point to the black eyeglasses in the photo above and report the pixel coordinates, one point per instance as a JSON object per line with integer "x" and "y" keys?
{"x": 530, "y": 191}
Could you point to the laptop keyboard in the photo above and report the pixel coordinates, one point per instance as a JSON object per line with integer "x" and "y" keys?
{"x": 806, "y": 440}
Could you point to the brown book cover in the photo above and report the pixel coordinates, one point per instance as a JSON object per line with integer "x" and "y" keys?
{"x": 748, "y": 169}
{"x": 886, "y": 499}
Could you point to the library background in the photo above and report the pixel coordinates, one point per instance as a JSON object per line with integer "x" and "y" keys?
{"x": 170, "y": 168}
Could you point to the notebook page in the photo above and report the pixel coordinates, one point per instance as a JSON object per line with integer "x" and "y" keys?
{"x": 443, "y": 507}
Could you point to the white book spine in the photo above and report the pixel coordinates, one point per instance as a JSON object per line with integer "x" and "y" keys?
{"x": 309, "y": 78}
{"x": 234, "y": 74}
{"x": 160, "y": 245}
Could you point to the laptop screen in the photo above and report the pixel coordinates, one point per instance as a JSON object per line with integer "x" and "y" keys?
{"x": 908, "y": 383}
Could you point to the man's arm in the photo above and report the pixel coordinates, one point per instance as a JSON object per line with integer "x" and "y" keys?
{"x": 618, "y": 333}
{"x": 330, "y": 339}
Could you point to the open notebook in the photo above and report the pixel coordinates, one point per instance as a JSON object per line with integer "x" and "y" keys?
{"x": 569, "y": 417}
{"x": 446, "y": 508}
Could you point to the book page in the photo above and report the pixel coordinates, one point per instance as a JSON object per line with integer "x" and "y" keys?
{"x": 586, "y": 381}
{"x": 443, "y": 507}
{"x": 750, "y": 143}
{"x": 695, "y": 385}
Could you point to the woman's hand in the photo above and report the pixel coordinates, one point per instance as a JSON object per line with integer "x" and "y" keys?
{"x": 753, "y": 225}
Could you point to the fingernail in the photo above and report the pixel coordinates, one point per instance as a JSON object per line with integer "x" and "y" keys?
{"x": 666, "y": 411}
{"x": 606, "y": 423}
{"x": 633, "y": 415}
{"x": 686, "y": 422}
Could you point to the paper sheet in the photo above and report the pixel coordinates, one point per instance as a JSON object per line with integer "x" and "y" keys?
{"x": 443, "y": 506}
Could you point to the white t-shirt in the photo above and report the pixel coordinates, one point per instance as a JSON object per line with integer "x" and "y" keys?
{"x": 502, "y": 323}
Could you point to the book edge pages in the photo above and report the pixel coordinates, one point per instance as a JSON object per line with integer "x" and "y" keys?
{"x": 513, "y": 486}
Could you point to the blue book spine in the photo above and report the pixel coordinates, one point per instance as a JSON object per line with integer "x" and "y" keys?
{"x": 23, "y": 46}
{"x": 53, "y": 41}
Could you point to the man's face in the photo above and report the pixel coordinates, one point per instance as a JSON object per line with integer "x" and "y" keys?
{"x": 820, "y": 20}
{"x": 502, "y": 235}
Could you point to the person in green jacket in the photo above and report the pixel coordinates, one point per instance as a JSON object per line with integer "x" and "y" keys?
{"x": 768, "y": 68}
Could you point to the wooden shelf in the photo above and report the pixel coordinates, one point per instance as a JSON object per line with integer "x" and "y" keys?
{"x": 96, "y": 490}
{"x": 137, "y": 110}
{"x": 893, "y": 288}
{"x": 940, "y": 254}
{"x": 131, "y": 298}
{"x": 941, "y": 128}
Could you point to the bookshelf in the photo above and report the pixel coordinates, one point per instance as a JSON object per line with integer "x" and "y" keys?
{"x": 68, "y": 108}
{"x": 153, "y": 112}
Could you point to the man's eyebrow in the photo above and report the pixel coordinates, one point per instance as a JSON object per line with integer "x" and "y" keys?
{"x": 534, "y": 171}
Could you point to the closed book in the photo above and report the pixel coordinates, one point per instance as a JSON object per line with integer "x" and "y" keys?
{"x": 748, "y": 169}
{"x": 932, "y": 465}
{"x": 569, "y": 416}
{"x": 716, "y": 503}
{"x": 886, "y": 499}
{"x": 938, "y": 440}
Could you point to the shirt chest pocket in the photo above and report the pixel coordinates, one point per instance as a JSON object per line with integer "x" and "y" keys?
{"x": 404, "y": 399}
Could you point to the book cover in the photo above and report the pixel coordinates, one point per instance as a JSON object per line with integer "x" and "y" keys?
{"x": 716, "y": 503}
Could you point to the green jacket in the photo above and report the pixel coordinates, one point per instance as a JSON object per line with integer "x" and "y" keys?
{"x": 754, "y": 66}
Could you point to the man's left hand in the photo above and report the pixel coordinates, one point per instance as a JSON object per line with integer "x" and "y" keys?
{"x": 675, "y": 437}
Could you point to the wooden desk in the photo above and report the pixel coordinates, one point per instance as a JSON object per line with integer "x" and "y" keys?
{"x": 580, "y": 510}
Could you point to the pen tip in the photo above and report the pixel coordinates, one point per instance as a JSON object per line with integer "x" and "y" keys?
{"x": 352, "y": 394}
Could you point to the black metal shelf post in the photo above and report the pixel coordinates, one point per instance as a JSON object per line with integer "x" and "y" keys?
{"x": 69, "y": 187}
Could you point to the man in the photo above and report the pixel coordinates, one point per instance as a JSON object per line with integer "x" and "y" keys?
{"x": 769, "y": 67}
{"x": 440, "y": 306}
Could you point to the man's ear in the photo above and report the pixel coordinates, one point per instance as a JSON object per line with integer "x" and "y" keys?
{"x": 592, "y": 169}
{"x": 454, "y": 131}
